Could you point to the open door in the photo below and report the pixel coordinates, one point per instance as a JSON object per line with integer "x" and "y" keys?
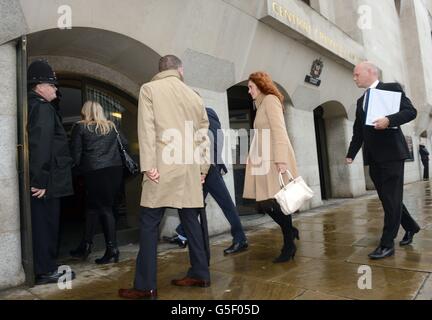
{"x": 23, "y": 162}
{"x": 322, "y": 151}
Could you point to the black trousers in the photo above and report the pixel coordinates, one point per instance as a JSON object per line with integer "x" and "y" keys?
{"x": 146, "y": 264}
{"x": 45, "y": 228}
{"x": 388, "y": 179}
{"x": 426, "y": 169}
{"x": 215, "y": 185}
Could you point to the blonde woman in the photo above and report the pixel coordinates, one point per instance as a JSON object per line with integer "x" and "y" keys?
{"x": 96, "y": 154}
{"x": 271, "y": 154}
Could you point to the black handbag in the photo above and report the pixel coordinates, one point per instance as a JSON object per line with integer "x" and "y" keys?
{"x": 129, "y": 163}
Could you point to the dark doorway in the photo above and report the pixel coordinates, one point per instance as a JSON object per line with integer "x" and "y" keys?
{"x": 75, "y": 91}
{"x": 242, "y": 116}
{"x": 322, "y": 151}
{"x": 72, "y": 216}
{"x": 76, "y": 88}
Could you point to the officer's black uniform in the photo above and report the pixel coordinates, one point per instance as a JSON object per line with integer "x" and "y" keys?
{"x": 50, "y": 169}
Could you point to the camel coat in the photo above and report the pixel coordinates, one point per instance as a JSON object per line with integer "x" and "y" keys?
{"x": 169, "y": 117}
{"x": 269, "y": 146}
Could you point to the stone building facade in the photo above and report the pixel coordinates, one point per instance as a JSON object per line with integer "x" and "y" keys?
{"x": 113, "y": 48}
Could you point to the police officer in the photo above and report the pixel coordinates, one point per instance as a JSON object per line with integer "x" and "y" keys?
{"x": 50, "y": 169}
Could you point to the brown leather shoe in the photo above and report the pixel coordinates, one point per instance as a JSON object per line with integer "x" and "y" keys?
{"x": 191, "y": 282}
{"x": 138, "y": 294}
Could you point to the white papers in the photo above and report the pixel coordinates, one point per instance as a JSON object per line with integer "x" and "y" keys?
{"x": 382, "y": 103}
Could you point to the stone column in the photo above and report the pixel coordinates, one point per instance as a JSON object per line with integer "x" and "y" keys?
{"x": 11, "y": 271}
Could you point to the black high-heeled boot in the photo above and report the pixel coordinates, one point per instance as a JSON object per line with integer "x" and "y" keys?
{"x": 287, "y": 253}
{"x": 289, "y": 234}
{"x": 84, "y": 248}
{"x": 112, "y": 254}
{"x": 82, "y": 251}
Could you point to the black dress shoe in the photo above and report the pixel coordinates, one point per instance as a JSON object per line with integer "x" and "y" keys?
{"x": 236, "y": 247}
{"x": 408, "y": 238}
{"x": 51, "y": 277}
{"x": 381, "y": 252}
{"x": 176, "y": 240}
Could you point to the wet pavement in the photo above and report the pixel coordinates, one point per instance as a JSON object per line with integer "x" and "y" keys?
{"x": 334, "y": 243}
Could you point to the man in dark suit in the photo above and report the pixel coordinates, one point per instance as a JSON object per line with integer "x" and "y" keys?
{"x": 215, "y": 185}
{"x": 385, "y": 151}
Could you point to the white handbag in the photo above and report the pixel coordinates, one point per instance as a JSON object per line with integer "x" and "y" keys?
{"x": 293, "y": 195}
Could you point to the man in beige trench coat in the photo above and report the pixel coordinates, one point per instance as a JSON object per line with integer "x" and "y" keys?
{"x": 174, "y": 159}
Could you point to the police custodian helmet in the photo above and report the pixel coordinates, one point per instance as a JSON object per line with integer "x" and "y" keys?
{"x": 40, "y": 71}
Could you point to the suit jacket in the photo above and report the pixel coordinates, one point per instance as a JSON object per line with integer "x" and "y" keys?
{"x": 216, "y": 140}
{"x": 49, "y": 157}
{"x": 382, "y": 145}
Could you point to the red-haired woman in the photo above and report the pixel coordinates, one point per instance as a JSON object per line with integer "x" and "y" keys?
{"x": 271, "y": 153}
